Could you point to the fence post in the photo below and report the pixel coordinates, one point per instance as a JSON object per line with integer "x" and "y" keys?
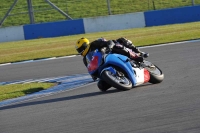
{"x": 193, "y": 3}
{"x": 108, "y": 4}
{"x": 154, "y": 7}
{"x": 59, "y": 10}
{"x": 30, "y": 11}
{"x": 8, "y": 12}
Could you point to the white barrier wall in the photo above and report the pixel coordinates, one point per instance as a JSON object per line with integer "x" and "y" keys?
{"x": 114, "y": 22}
{"x": 9, "y": 34}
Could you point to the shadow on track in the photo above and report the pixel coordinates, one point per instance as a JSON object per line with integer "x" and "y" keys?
{"x": 59, "y": 99}
{"x": 18, "y": 105}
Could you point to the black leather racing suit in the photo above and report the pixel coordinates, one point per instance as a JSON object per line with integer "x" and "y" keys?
{"x": 116, "y": 49}
{"x": 128, "y": 44}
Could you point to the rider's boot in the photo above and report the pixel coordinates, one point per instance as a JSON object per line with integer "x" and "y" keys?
{"x": 103, "y": 86}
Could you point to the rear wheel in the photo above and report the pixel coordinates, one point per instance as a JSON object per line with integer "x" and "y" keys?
{"x": 156, "y": 74}
{"x": 119, "y": 81}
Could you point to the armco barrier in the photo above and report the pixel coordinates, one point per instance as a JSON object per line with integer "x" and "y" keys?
{"x": 172, "y": 16}
{"x": 15, "y": 33}
{"x": 54, "y": 29}
{"x": 114, "y": 22}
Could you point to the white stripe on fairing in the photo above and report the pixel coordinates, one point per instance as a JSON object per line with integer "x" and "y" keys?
{"x": 139, "y": 76}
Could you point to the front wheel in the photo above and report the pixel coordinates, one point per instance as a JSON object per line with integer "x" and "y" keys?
{"x": 120, "y": 82}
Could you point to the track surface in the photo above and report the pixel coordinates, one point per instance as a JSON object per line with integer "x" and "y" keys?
{"x": 171, "y": 106}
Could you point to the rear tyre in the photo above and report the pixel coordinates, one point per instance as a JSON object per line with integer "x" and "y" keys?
{"x": 156, "y": 75}
{"x": 119, "y": 82}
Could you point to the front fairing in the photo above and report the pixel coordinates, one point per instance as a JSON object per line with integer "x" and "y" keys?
{"x": 94, "y": 60}
{"x": 119, "y": 61}
{"x": 97, "y": 63}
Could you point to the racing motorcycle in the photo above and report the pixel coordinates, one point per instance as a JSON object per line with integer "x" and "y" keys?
{"x": 121, "y": 72}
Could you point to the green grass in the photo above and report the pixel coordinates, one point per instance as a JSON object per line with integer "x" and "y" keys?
{"x": 63, "y": 46}
{"x": 18, "y": 90}
{"x": 81, "y": 9}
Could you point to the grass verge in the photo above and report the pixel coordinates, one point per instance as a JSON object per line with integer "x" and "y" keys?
{"x": 18, "y": 90}
{"x": 63, "y": 46}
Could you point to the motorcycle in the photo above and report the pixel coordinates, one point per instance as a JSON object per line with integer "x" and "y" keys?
{"x": 121, "y": 72}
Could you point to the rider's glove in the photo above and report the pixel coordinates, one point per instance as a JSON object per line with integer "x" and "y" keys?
{"x": 111, "y": 44}
{"x": 135, "y": 57}
{"x": 145, "y": 55}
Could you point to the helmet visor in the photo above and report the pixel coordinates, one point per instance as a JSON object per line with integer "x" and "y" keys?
{"x": 82, "y": 48}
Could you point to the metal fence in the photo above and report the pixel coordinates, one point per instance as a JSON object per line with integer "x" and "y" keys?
{"x": 20, "y": 12}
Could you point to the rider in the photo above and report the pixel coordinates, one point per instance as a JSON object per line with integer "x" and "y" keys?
{"x": 83, "y": 47}
{"x": 128, "y": 44}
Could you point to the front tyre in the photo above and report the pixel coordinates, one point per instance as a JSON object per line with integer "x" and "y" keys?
{"x": 120, "y": 82}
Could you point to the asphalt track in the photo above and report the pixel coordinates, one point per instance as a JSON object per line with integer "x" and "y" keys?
{"x": 169, "y": 107}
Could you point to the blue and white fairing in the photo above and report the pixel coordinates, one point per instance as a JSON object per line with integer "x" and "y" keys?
{"x": 97, "y": 63}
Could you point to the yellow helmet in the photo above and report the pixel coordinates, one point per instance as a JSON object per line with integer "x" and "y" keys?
{"x": 82, "y": 46}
